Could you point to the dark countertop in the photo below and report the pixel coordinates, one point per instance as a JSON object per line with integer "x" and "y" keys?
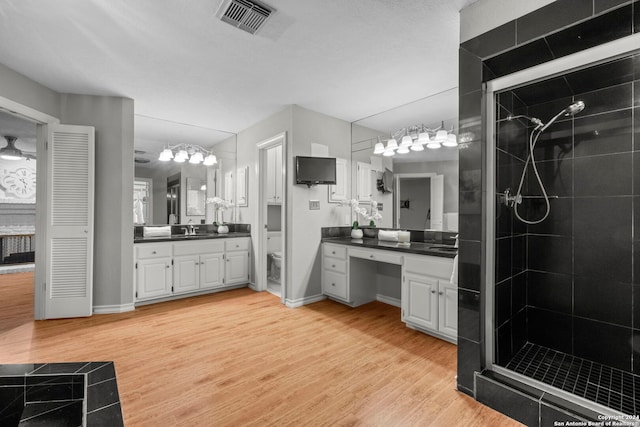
{"x": 182, "y": 237}
{"x": 421, "y": 248}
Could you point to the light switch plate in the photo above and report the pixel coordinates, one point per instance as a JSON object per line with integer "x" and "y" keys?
{"x": 314, "y": 205}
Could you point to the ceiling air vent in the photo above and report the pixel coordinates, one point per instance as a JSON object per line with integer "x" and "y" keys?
{"x": 245, "y": 14}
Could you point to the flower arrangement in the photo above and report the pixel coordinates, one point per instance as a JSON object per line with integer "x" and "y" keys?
{"x": 219, "y": 205}
{"x": 372, "y": 216}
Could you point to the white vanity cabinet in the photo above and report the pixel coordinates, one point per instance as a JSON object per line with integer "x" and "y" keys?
{"x": 167, "y": 269}
{"x": 197, "y": 265}
{"x": 351, "y": 275}
{"x": 429, "y": 300}
{"x": 153, "y": 270}
{"x": 334, "y": 271}
{"x": 237, "y": 260}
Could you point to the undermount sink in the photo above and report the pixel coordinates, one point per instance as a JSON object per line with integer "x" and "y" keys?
{"x": 444, "y": 248}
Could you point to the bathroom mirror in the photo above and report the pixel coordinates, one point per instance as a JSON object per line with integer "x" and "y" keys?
{"x": 419, "y": 189}
{"x": 196, "y": 182}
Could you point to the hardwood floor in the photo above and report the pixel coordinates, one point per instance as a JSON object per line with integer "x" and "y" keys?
{"x": 241, "y": 358}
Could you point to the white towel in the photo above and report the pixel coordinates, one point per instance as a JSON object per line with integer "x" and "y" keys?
{"x": 388, "y": 235}
{"x": 164, "y": 231}
{"x": 454, "y": 273}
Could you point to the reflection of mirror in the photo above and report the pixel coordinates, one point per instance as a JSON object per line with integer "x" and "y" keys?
{"x": 170, "y": 180}
{"x": 425, "y": 183}
{"x": 196, "y": 195}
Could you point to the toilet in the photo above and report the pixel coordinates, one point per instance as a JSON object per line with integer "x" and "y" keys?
{"x": 276, "y": 262}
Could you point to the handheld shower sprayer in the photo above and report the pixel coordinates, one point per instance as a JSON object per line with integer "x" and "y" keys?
{"x": 516, "y": 199}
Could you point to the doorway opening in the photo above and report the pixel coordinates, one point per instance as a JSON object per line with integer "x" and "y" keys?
{"x": 419, "y": 201}
{"x": 17, "y": 193}
{"x": 273, "y": 207}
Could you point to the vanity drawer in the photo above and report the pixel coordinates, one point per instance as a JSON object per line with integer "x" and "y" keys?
{"x": 335, "y": 284}
{"x": 430, "y": 265}
{"x": 337, "y": 265}
{"x": 376, "y": 255}
{"x": 197, "y": 248}
{"x": 334, "y": 251}
{"x": 147, "y": 250}
{"x": 241, "y": 244}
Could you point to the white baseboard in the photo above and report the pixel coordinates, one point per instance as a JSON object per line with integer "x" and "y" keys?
{"x": 253, "y": 287}
{"x": 293, "y": 303}
{"x": 111, "y": 309}
{"x": 389, "y": 300}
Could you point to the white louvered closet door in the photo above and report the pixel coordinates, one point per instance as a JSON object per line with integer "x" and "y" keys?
{"x": 70, "y": 200}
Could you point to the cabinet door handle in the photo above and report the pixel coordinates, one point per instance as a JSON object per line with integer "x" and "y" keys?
{"x": 333, "y": 284}
{"x": 333, "y": 252}
{"x": 153, "y": 253}
{"x": 333, "y": 266}
{"x": 440, "y": 293}
{"x": 167, "y": 266}
{"x": 371, "y": 256}
{"x": 433, "y": 292}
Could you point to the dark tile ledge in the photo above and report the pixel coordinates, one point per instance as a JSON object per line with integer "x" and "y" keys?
{"x": 54, "y": 394}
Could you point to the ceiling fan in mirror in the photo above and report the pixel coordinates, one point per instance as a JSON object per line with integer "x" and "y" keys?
{"x": 11, "y": 152}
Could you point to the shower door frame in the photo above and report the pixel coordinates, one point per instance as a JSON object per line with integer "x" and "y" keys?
{"x": 586, "y": 58}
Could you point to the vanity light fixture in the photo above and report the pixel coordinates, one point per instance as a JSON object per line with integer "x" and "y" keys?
{"x": 414, "y": 138}
{"x": 195, "y": 154}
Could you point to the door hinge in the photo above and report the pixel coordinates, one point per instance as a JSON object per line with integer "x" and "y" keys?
{"x": 171, "y": 262}
{"x": 172, "y": 289}
{"x": 136, "y": 294}
{"x": 136, "y": 265}
{"x": 223, "y": 280}
{"x": 403, "y": 279}
{"x": 46, "y": 145}
{"x": 223, "y": 255}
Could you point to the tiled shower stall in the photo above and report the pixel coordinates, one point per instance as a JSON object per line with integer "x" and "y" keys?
{"x": 555, "y": 326}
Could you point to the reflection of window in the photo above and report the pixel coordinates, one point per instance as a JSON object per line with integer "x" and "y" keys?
{"x": 142, "y": 193}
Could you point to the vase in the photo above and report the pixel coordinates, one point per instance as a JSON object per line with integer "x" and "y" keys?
{"x": 223, "y": 229}
{"x": 356, "y": 233}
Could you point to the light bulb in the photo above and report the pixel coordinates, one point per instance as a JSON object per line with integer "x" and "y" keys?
{"x": 451, "y": 141}
{"x": 403, "y": 149}
{"x": 210, "y": 160}
{"x": 166, "y": 155}
{"x": 433, "y": 145}
{"x": 388, "y": 153}
{"x": 416, "y": 146}
{"x": 379, "y": 148}
{"x": 196, "y": 158}
{"x": 441, "y": 136}
{"x": 423, "y": 138}
{"x": 406, "y": 141}
{"x": 392, "y": 144}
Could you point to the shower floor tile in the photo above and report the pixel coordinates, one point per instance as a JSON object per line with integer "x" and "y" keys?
{"x": 608, "y": 386}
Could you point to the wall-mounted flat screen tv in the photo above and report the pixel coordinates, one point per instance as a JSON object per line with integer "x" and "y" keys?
{"x": 315, "y": 170}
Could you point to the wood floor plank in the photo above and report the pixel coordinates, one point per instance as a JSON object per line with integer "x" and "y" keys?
{"x": 240, "y": 358}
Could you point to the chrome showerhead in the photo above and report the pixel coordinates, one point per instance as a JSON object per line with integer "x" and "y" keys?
{"x": 574, "y": 108}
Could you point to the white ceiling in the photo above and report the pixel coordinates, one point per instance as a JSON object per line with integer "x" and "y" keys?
{"x": 182, "y": 65}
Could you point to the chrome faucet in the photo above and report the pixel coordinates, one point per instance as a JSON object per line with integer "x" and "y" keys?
{"x": 190, "y": 230}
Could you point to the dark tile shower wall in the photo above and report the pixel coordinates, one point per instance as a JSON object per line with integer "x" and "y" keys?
{"x": 578, "y": 271}
{"x": 561, "y": 28}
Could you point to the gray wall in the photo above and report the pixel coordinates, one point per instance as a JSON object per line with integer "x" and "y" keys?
{"x": 21, "y": 89}
{"x": 112, "y": 118}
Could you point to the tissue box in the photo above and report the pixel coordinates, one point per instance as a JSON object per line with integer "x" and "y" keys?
{"x": 388, "y": 235}
{"x": 164, "y": 231}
